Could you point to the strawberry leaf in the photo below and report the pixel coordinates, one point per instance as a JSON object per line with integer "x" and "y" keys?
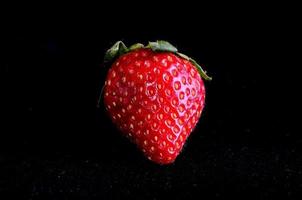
{"x": 202, "y": 73}
{"x": 117, "y": 49}
{"x": 136, "y": 46}
{"x": 182, "y": 55}
{"x": 161, "y": 45}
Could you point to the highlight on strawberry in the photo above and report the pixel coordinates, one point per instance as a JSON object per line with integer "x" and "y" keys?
{"x": 155, "y": 96}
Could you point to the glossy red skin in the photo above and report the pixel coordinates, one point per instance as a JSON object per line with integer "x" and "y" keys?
{"x": 156, "y": 99}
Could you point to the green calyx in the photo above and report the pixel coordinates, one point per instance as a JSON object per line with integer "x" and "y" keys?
{"x": 119, "y": 48}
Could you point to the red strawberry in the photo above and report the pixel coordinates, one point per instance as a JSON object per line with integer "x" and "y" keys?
{"x": 155, "y": 96}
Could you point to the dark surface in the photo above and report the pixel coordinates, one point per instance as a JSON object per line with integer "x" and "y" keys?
{"x": 59, "y": 145}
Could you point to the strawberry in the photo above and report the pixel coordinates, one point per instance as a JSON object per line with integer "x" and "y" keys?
{"x": 155, "y": 95}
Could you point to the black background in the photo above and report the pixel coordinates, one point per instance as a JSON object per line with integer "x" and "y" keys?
{"x": 57, "y": 144}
